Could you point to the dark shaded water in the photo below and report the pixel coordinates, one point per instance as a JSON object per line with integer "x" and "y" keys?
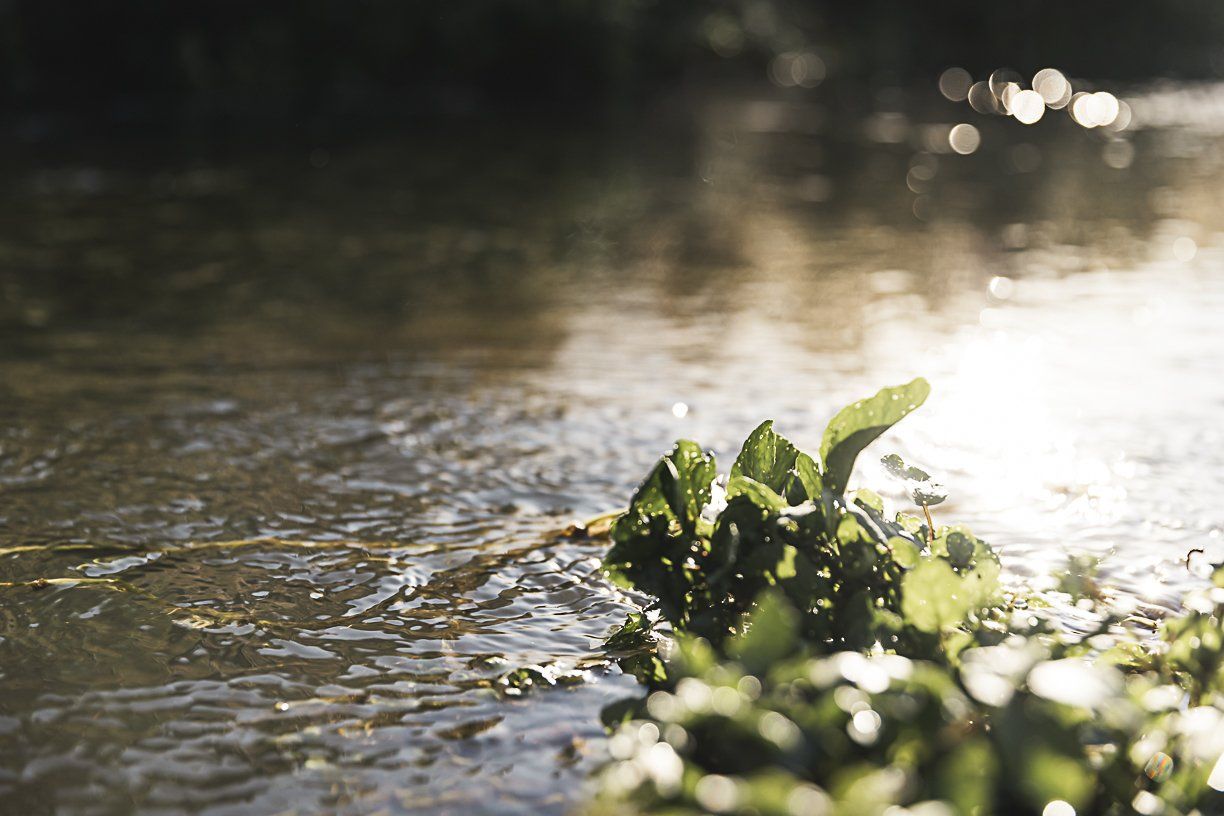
{"x": 308, "y": 417}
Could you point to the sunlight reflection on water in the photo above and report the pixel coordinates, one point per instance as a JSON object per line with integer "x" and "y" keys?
{"x": 422, "y": 363}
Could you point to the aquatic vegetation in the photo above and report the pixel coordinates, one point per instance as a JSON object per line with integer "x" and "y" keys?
{"x": 514, "y": 683}
{"x": 855, "y": 577}
{"x": 819, "y": 656}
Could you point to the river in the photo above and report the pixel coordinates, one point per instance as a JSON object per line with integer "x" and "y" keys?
{"x": 307, "y": 412}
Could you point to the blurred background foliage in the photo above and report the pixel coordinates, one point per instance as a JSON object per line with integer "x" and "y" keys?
{"x": 145, "y": 60}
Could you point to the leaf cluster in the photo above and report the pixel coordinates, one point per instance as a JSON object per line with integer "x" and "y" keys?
{"x": 826, "y": 659}
{"x": 704, "y": 548}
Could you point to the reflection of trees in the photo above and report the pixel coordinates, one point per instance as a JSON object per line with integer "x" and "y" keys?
{"x": 489, "y": 240}
{"x": 388, "y": 236}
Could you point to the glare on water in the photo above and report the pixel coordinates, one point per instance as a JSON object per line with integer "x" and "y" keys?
{"x": 395, "y": 389}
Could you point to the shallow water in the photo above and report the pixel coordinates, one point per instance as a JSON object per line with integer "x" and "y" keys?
{"x": 390, "y": 367}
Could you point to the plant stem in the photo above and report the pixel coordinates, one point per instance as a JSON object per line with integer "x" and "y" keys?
{"x": 930, "y": 524}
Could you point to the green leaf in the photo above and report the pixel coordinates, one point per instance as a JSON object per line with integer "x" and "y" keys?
{"x": 858, "y": 425}
{"x": 677, "y": 488}
{"x": 648, "y": 501}
{"x": 929, "y": 494}
{"x": 633, "y": 635}
{"x": 689, "y": 482}
{"x": 983, "y": 582}
{"x": 849, "y": 530}
{"x": 923, "y": 491}
{"x": 655, "y": 538}
{"x": 933, "y": 597}
{"x": 912, "y": 524}
{"x": 960, "y": 548}
{"x": 895, "y": 465}
{"x": 868, "y": 499}
{"x": 771, "y": 632}
{"x": 741, "y": 523}
{"x": 760, "y": 494}
{"x": 905, "y": 552}
{"x": 767, "y": 457}
{"x": 897, "y": 468}
{"x": 806, "y": 480}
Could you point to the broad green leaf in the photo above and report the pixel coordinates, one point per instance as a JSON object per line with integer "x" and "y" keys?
{"x": 761, "y": 495}
{"x": 933, "y": 596}
{"x": 654, "y": 540}
{"x": 857, "y": 558}
{"x": 740, "y": 523}
{"x": 956, "y": 543}
{"x": 767, "y": 457}
{"x": 633, "y": 646}
{"x": 856, "y": 426}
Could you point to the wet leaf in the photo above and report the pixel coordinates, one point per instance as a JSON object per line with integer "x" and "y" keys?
{"x": 929, "y": 494}
{"x": 766, "y": 457}
{"x": 760, "y": 494}
{"x": 826, "y": 660}
{"x": 933, "y": 596}
{"x": 960, "y": 549}
{"x": 896, "y": 467}
{"x": 905, "y": 551}
{"x": 806, "y": 483}
{"x": 870, "y": 499}
{"x": 858, "y": 425}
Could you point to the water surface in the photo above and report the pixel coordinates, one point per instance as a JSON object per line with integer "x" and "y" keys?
{"x": 308, "y": 415}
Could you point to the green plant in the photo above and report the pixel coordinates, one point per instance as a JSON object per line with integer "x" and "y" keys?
{"x": 825, "y": 658}
{"x": 784, "y": 519}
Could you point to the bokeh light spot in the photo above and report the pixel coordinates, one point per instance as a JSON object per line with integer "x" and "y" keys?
{"x": 1026, "y": 106}
{"x": 954, "y": 84}
{"x": 1053, "y": 87}
{"x": 964, "y": 139}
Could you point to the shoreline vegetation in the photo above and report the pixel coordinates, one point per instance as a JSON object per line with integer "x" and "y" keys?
{"x": 805, "y": 653}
